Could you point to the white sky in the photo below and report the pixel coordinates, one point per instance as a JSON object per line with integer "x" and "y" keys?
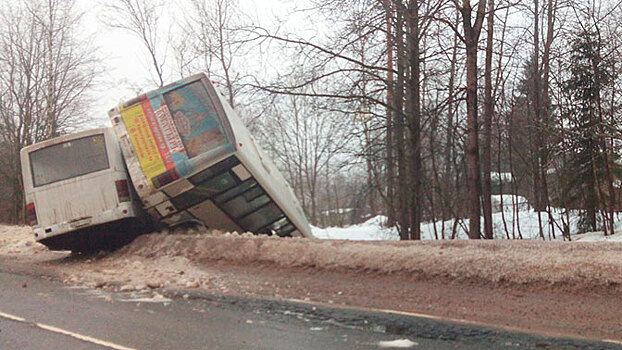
{"x": 120, "y": 54}
{"x": 124, "y": 58}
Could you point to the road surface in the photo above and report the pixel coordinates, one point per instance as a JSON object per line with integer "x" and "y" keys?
{"x": 37, "y": 313}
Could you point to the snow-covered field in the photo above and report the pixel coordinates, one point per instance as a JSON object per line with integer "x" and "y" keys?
{"x": 373, "y": 229}
{"x": 507, "y": 223}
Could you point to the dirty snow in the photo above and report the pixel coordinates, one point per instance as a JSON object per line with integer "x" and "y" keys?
{"x": 495, "y": 261}
{"x": 16, "y": 240}
{"x": 307, "y": 269}
{"x": 156, "y": 298}
{"x": 174, "y": 260}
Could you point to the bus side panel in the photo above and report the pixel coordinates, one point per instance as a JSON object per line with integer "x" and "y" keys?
{"x": 265, "y": 172}
{"x": 157, "y": 200}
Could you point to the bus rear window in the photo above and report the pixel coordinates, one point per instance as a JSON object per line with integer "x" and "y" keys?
{"x": 68, "y": 159}
{"x": 196, "y": 118}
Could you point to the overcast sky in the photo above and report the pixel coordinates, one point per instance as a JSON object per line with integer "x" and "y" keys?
{"x": 124, "y": 59}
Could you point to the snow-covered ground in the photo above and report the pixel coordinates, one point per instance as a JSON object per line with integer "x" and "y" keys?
{"x": 178, "y": 260}
{"x": 507, "y": 223}
{"x": 373, "y": 229}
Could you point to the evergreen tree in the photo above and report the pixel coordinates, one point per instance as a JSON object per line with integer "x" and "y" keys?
{"x": 587, "y": 171}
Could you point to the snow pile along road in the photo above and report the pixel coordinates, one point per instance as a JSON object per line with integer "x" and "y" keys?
{"x": 18, "y": 240}
{"x": 523, "y": 284}
{"x": 181, "y": 259}
{"x": 522, "y": 262}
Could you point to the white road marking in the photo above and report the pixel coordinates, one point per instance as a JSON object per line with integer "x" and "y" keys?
{"x": 12, "y": 318}
{"x": 82, "y": 337}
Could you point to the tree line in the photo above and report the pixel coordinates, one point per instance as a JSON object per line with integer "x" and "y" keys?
{"x": 421, "y": 111}
{"x": 466, "y": 91}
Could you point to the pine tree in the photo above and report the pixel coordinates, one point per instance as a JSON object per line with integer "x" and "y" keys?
{"x": 590, "y": 159}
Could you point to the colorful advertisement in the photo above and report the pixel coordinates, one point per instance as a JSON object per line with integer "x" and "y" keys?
{"x": 196, "y": 119}
{"x": 154, "y": 138}
{"x": 169, "y": 127}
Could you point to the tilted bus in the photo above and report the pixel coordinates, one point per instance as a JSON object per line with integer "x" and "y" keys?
{"x": 78, "y": 192}
{"x": 191, "y": 158}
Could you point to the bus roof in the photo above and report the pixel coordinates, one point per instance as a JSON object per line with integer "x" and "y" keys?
{"x": 64, "y": 138}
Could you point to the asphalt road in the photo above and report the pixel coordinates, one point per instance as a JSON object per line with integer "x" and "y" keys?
{"x": 37, "y": 313}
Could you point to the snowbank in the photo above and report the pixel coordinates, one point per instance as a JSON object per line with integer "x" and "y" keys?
{"x": 371, "y": 230}
{"x": 597, "y": 237}
{"x": 16, "y": 240}
{"x": 588, "y": 264}
{"x": 166, "y": 259}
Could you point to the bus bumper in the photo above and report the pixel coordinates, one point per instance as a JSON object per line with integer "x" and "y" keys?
{"x": 125, "y": 210}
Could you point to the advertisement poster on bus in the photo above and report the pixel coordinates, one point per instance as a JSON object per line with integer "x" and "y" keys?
{"x": 196, "y": 119}
{"x": 168, "y": 128}
{"x": 154, "y": 137}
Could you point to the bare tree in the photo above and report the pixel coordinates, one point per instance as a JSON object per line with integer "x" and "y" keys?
{"x": 488, "y": 112}
{"x": 142, "y": 18}
{"x": 215, "y": 39}
{"x": 305, "y": 139}
{"x": 471, "y": 32}
{"x": 46, "y": 72}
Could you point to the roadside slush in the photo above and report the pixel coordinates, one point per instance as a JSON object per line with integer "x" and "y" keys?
{"x": 583, "y": 300}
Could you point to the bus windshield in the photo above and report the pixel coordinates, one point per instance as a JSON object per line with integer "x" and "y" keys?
{"x": 196, "y": 118}
{"x": 68, "y": 159}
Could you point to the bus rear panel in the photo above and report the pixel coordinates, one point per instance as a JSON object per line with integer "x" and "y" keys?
{"x": 192, "y": 159}
{"x": 78, "y": 192}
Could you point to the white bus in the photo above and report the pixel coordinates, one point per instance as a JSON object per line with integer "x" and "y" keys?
{"x": 191, "y": 158}
{"x": 78, "y": 192}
